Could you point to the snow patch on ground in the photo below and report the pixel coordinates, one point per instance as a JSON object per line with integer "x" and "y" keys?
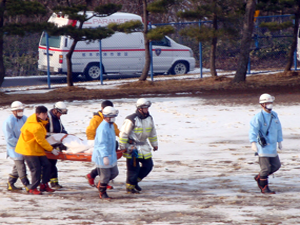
{"x": 203, "y": 171}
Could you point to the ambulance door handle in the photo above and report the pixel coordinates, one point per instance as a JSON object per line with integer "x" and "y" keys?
{"x": 49, "y": 54}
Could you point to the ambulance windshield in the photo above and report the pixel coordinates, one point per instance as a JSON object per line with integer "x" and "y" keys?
{"x": 54, "y": 41}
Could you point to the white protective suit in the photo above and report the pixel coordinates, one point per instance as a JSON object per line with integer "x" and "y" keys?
{"x": 138, "y": 129}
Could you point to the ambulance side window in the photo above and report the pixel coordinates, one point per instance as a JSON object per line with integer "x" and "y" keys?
{"x": 66, "y": 42}
{"x": 162, "y": 42}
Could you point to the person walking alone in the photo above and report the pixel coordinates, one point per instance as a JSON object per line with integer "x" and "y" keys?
{"x": 265, "y": 136}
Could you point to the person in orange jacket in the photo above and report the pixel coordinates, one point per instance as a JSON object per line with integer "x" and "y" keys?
{"x": 91, "y": 133}
{"x": 32, "y": 144}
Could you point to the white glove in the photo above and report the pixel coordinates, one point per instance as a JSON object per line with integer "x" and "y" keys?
{"x": 55, "y": 152}
{"x": 279, "y": 145}
{"x": 253, "y": 146}
{"x": 106, "y": 161}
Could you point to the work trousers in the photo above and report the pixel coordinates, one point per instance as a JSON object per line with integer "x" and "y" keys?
{"x": 137, "y": 170}
{"x": 18, "y": 171}
{"x": 53, "y": 170}
{"x": 95, "y": 172}
{"x": 268, "y": 165}
{"x": 38, "y": 165}
{"x": 107, "y": 174}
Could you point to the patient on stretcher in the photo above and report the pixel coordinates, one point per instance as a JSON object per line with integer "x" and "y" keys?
{"x": 70, "y": 143}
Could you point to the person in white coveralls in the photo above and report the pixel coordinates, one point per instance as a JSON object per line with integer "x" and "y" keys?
{"x": 137, "y": 129}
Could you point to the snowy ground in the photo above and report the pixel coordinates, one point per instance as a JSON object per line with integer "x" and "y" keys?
{"x": 203, "y": 172}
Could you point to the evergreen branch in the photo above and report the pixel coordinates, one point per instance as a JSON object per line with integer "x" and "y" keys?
{"x": 23, "y": 29}
{"x": 158, "y": 33}
{"x": 127, "y": 27}
{"x": 161, "y": 6}
{"x": 29, "y": 9}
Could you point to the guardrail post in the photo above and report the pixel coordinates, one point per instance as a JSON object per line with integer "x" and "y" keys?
{"x": 48, "y": 61}
{"x": 295, "y": 59}
{"x": 100, "y": 64}
{"x": 151, "y": 56}
{"x": 200, "y": 55}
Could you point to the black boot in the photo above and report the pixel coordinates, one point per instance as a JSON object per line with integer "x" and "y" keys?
{"x": 257, "y": 179}
{"x": 130, "y": 189}
{"x": 137, "y": 187}
{"x": 11, "y": 183}
{"x": 54, "y": 183}
{"x": 263, "y": 182}
{"x": 102, "y": 191}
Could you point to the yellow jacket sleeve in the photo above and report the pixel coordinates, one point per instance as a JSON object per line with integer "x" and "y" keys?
{"x": 117, "y": 131}
{"x": 91, "y": 129}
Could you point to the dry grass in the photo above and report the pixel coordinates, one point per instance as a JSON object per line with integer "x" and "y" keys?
{"x": 216, "y": 90}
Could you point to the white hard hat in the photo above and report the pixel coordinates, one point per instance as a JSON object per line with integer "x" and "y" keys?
{"x": 16, "y": 105}
{"x": 61, "y": 107}
{"x": 264, "y": 98}
{"x": 110, "y": 111}
{"x": 143, "y": 103}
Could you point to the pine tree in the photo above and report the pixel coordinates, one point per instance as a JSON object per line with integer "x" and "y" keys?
{"x": 23, "y": 9}
{"x": 78, "y": 33}
{"x": 157, "y": 33}
{"x": 223, "y": 15}
{"x": 283, "y": 7}
{"x": 240, "y": 75}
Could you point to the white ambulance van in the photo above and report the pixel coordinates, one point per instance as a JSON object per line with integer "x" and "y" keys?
{"x": 122, "y": 53}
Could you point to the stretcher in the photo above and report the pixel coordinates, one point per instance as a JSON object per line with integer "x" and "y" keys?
{"x": 85, "y": 157}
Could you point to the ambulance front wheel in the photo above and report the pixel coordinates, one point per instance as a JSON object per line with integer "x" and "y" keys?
{"x": 179, "y": 68}
{"x": 92, "y": 71}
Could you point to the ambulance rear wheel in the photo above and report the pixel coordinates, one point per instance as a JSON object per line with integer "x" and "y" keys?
{"x": 92, "y": 71}
{"x": 179, "y": 68}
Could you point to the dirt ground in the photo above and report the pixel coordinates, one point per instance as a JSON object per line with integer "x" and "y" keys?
{"x": 219, "y": 90}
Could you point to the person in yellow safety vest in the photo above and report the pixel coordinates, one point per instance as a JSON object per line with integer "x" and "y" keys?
{"x": 32, "y": 144}
{"x": 136, "y": 130}
{"x": 91, "y": 133}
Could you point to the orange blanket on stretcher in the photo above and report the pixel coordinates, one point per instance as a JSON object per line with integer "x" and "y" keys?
{"x": 86, "y": 157}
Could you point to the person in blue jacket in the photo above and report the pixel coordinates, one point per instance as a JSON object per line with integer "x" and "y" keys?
{"x": 265, "y": 136}
{"x": 11, "y": 129}
{"x": 104, "y": 154}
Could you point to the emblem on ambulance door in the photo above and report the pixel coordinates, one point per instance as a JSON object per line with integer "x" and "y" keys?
{"x": 157, "y": 51}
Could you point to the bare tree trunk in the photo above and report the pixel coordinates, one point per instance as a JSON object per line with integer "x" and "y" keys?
{"x": 146, "y": 68}
{"x": 69, "y": 58}
{"x": 2, "y": 68}
{"x": 69, "y": 64}
{"x": 240, "y": 75}
{"x": 213, "y": 48}
{"x": 295, "y": 37}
